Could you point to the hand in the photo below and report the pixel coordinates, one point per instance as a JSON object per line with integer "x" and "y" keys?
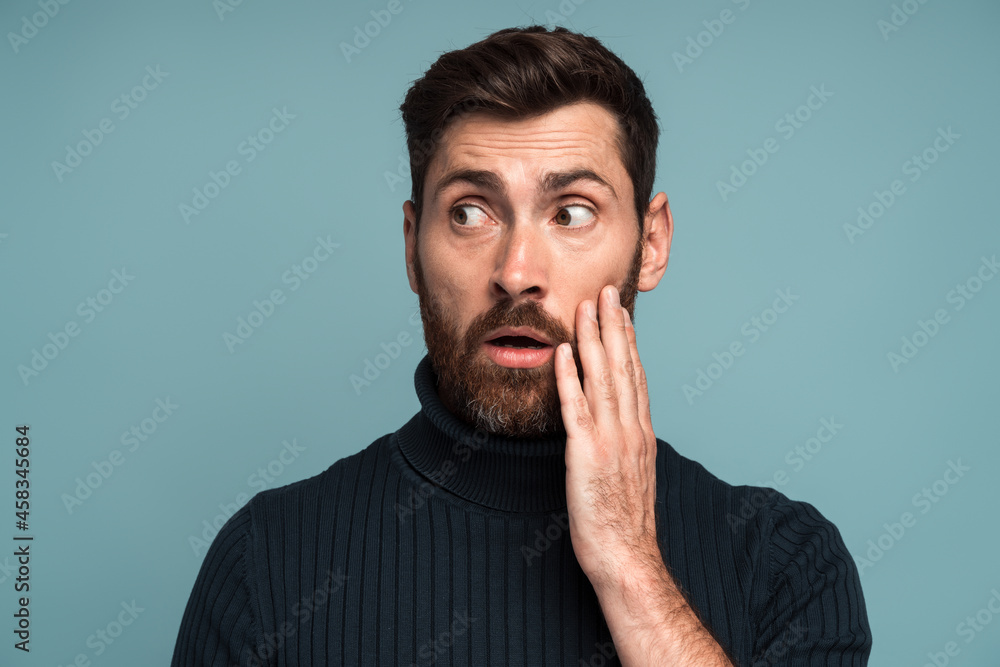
{"x": 610, "y": 446}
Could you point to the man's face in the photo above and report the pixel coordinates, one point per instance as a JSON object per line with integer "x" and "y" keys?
{"x": 516, "y": 230}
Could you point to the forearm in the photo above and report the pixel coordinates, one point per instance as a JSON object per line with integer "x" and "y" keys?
{"x": 652, "y": 623}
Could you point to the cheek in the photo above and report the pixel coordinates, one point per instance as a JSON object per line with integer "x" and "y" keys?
{"x": 453, "y": 303}
{"x": 582, "y": 286}
{"x": 587, "y": 284}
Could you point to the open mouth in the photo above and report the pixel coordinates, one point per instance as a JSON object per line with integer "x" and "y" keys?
{"x": 518, "y": 342}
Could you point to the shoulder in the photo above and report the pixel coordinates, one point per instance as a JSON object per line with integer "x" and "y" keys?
{"x": 687, "y": 482}
{"x": 741, "y": 507}
{"x": 791, "y": 542}
{"x": 285, "y": 520}
{"x": 803, "y": 589}
{"x": 327, "y": 486}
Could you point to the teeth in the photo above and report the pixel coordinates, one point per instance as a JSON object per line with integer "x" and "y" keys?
{"x": 519, "y": 347}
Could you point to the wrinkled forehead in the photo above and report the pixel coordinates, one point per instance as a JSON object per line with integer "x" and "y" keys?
{"x": 525, "y": 152}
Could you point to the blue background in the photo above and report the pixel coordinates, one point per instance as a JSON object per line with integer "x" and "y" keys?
{"x": 227, "y": 67}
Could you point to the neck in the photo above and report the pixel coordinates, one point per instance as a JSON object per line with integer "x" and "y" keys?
{"x": 495, "y": 471}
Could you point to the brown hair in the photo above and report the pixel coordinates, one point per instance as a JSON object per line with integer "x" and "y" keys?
{"x": 525, "y": 72}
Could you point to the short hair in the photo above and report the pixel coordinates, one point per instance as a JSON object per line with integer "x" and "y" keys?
{"x": 525, "y": 72}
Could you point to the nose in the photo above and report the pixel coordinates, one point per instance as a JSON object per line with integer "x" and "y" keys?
{"x": 522, "y": 264}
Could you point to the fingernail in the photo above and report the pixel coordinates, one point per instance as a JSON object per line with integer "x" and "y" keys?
{"x": 614, "y": 297}
{"x": 591, "y": 310}
{"x": 567, "y": 351}
{"x": 628, "y": 320}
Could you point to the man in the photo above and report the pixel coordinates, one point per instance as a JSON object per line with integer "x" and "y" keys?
{"x": 528, "y": 514}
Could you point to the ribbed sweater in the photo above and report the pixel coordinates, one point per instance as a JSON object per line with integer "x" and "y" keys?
{"x": 443, "y": 544}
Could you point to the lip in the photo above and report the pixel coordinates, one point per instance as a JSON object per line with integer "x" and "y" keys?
{"x": 517, "y": 331}
{"x": 518, "y": 358}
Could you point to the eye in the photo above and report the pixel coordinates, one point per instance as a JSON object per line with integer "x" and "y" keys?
{"x": 464, "y": 214}
{"x": 574, "y": 213}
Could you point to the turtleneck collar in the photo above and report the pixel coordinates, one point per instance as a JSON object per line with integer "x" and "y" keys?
{"x": 507, "y": 474}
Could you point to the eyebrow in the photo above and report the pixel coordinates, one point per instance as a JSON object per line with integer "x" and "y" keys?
{"x": 488, "y": 180}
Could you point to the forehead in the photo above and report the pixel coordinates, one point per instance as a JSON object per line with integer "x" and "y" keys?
{"x": 575, "y": 136}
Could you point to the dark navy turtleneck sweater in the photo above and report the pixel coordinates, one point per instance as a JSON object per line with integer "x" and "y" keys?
{"x": 443, "y": 545}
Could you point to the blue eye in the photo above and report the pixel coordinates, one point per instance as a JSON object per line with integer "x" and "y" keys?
{"x": 460, "y": 215}
{"x": 574, "y": 213}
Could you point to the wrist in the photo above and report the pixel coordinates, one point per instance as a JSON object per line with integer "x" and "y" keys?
{"x": 633, "y": 584}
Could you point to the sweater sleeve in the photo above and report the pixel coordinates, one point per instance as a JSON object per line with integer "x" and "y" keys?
{"x": 218, "y": 628}
{"x": 815, "y": 611}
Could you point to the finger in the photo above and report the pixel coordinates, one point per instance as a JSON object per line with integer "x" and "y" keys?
{"x": 598, "y": 379}
{"x": 641, "y": 386}
{"x": 619, "y": 355}
{"x": 575, "y": 410}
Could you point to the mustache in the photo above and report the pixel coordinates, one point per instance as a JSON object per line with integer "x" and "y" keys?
{"x": 526, "y": 314}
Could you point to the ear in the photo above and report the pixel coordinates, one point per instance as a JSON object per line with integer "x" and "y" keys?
{"x": 410, "y": 239}
{"x": 658, "y": 231}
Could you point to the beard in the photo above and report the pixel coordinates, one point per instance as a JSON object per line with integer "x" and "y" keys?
{"x": 514, "y": 402}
